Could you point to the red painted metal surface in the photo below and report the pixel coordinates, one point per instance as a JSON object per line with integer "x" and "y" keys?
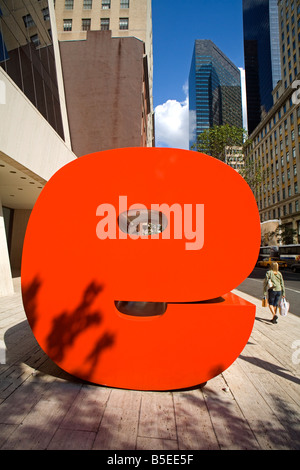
{"x": 77, "y": 263}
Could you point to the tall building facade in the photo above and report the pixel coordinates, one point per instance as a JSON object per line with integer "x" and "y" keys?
{"x": 79, "y": 20}
{"x": 275, "y": 144}
{"x": 107, "y": 92}
{"x": 214, "y": 90}
{"x": 34, "y": 132}
{"x": 262, "y": 56}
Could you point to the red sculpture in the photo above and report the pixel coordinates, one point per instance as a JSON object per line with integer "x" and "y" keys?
{"x": 128, "y": 262}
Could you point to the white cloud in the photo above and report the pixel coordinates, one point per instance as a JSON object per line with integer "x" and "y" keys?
{"x": 172, "y": 123}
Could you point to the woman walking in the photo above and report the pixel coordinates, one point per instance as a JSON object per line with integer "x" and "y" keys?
{"x": 274, "y": 287}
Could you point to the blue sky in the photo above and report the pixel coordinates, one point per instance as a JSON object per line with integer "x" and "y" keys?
{"x": 176, "y": 25}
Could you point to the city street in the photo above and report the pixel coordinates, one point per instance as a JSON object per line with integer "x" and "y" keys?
{"x": 253, "y": 285}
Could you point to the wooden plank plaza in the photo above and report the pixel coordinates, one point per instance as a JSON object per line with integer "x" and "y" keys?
{"x": 254, "y": 404}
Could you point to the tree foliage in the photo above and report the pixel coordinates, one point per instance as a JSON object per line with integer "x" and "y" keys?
{"x": 219, "y": 141}
{"x": 284, "y": 234}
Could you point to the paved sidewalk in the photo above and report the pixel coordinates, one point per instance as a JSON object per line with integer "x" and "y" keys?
{"x": 255, "y": 404}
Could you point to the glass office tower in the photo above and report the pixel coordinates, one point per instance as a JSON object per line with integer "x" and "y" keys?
{"x": 214, "y": 90}
{"x": 262, "y": 57}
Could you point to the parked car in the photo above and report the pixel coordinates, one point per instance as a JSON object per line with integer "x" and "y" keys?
{"x": 295, "y": 267}
{"x": 266, "y": 262}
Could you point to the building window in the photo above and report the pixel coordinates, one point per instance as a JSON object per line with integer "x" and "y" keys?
{"x": 69, "y": 4}
{"x": 28, "y": 21}
{"x": 124, "y": 4}
{"x": 86, "y": 24}
{"x": 105, "y": 4}
{"x": 67, "y": 25}
{"x": 46, "y": 15}
{"x": 124, "y": 23}
{"x": 104, "y": 24}
{"x": 35, "y": 40}
{"x": 87, "y": 4}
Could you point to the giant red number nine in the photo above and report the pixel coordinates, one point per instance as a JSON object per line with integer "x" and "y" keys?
{"x": 128, "y": 262}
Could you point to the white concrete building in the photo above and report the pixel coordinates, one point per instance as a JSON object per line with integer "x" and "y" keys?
{"x": 34, "y": 135}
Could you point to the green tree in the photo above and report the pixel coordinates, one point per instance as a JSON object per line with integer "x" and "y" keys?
{"x": 220, "y": 141}
{"x": 217, "y": 141}
{"x": 284, "y": 234}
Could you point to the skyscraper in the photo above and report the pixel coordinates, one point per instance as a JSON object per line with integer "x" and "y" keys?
{"x": 214, "y": 89}
{"x": 275, "y": 142}
{"x": 262, "y": 56}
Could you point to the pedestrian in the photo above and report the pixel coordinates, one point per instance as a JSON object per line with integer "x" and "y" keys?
{"x": 274, "y": 287}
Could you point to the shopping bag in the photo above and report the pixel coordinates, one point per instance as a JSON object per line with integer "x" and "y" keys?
{"x": 284, "y": 306}
{"x": 264, "y": 302}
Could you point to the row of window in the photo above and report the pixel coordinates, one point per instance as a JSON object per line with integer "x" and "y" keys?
{"x": 287, "y": 10}
{"x": 88, "y": 4}
{"x": 289, "y": 26}
{"x": 273, "y": 151}
{"x": 28, "y": 21}
{"x": 104, "y": 24}
{"x": 265, "y": 159}
{"x": 283, "y": 179}
{"x": 286, "y": 209}
{"x": 275, "y": 119}
{"x": 292, "y": 189}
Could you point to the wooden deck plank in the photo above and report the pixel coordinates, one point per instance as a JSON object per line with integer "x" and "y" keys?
{"x": 254, "y": 404}
{"x": 194, "y": 426}
{"x": 87, "y": 410}
{"x": 267, "y": 428}
{"x": 119, "y": 425}
{"x": 37, "y": 429}
{"x": 230, "y": 425}
{"x": 256, "y": 361}
{"x": 72, "y": 440}
{"x": 157, "y": 416}
{"x": 152, "y": 443}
